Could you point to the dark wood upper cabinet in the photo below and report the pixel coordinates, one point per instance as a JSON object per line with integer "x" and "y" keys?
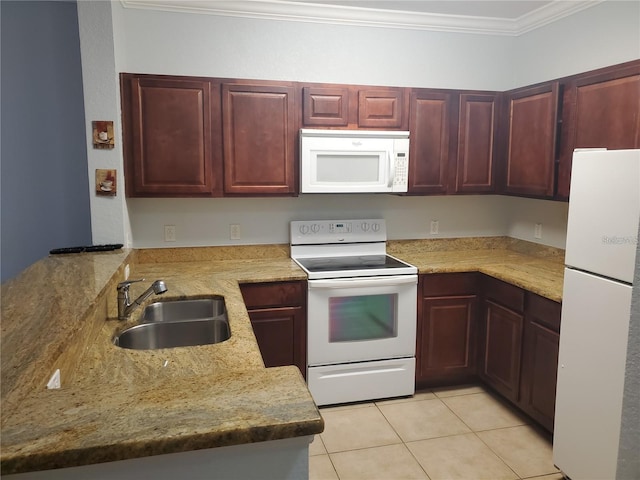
{"x": 353, "y": 106}
{"x": 172, "y": 136}
{"x": 600, "y": 109}
{"x": 260, "y": 131}
{"x": 431, "y": 115}
{"x": 530, "y": 131}
{"x": 194, "y": 136}
{"x": 381, "y": 108}
{"x": 325, "y": 106}
{"x": 476, "y": 150}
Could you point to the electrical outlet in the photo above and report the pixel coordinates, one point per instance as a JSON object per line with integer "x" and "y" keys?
{"x": 435, "y": 227}
{"x": 234, "y": 231}
{"x": 169, "y": 233}
{"x": 54, "y": 381}
{"x": 537, "y": 230}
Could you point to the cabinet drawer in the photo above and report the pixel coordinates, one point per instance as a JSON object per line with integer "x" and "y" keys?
{"x": 439, "y": 284}
{"x": 504, "y": 293}
{"x": 263, "y": 295}
{"x": 543, "y": 311}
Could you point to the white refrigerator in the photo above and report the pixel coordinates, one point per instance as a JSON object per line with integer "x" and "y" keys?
{"x": 602, "y": 236}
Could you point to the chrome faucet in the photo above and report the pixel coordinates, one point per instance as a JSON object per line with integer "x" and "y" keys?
{"x": 125, "y": 306}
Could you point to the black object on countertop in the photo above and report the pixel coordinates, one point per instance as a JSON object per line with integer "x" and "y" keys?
{"x": 91, "y": 248}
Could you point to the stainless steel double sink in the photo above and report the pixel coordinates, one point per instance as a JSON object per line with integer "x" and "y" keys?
{"x": 178, "y": 323}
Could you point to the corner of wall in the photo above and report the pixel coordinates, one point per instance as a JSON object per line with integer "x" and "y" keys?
{"x": 109, "y": 215}
{"x": 525, "y": 214}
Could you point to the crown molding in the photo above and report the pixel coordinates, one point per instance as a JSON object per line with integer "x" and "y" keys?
{"x": 369, "y": 17}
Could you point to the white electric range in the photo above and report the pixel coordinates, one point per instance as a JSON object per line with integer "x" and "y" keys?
{"x": 361, "y": 311}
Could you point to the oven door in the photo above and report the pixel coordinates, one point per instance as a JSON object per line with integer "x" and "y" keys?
{"x": 361, "y": 319}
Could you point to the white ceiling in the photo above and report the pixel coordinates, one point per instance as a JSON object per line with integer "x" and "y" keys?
{"x": 503, "y": 17}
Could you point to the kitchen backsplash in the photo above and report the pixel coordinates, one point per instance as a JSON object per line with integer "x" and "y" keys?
{"x": 208, "y": 222}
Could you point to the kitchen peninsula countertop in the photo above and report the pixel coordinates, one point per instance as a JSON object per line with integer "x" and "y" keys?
{"x": 116, "y": 404}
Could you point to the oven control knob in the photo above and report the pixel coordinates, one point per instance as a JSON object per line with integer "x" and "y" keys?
{"x": 315, "y": 228}
{"x": 375, "y": 227}
{"x": 365, "y": 226}
{"x": 304, "y": 229}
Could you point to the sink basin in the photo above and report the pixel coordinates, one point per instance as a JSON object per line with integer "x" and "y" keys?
{"x": 167, "y": 334}
{"x": 178, "y": 323}
{"x": 180, "y": 310}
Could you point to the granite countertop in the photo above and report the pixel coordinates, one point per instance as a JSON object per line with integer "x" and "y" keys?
{"x": 532, "y": 267}
{"x": 116, "y": 403}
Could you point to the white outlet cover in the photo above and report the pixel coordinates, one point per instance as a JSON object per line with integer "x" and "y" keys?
{"x": 537, "y": 231}
{"x": 169, "y": 233}
{"x": 54, "y": 381}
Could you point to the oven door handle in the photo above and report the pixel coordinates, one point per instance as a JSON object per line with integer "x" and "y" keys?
{"x": 363, "y": 282}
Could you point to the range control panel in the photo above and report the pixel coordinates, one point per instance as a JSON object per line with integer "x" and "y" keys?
{"x": 338, "y": 231}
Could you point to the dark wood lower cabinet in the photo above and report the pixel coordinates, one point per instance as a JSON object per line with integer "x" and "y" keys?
{"x": 279, "y": 319}
{"x": 446, "y": 334}
{"x": 472, "y": 326}
{"x": 540, "y": 359}
{"x": 502, "y": 346}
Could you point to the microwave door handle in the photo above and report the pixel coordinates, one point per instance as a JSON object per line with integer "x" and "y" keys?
{"x": 392, "y": 169}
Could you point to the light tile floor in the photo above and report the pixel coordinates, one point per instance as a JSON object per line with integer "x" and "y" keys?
{"x": 447, "y": 433}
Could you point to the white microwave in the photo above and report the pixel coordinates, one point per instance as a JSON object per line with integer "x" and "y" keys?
{"x": 353, "y": 161}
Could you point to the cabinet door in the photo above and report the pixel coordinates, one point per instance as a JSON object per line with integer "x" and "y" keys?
{"x": 280, "y": 335}
{"x": 476, "y": 143}
{"x": 172, "y": 136}
{"x": 325, "y": 106}
{"x": 532, "y": 119}
{"x": 381, "y": 108}
{"x": 278, "y": 313}
{"x": 540, "y": 359}
{"x": 429, "y": 126}
{"x": 600, "y": 110}
{"x": 447, "y": 328}
{"x": 540, "y": 371}
{"x": 260, "y": 129}
{"x": 447, "y": 338}
{"x": 502, "y": 349}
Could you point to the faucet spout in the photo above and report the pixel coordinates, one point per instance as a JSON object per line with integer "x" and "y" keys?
{"x": 125, "y": 306}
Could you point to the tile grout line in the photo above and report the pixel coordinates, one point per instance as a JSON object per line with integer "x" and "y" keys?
{"x": 475, "y": 432}
{"x": 328, "y": 456}
{"x": 404, "y": 444}
{"x": 496, "y": 453}
{"x": 478, "y": 437}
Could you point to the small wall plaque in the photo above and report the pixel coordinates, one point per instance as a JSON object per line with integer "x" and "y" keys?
{"x": 103, "y": 134}
{"x": 106, "y": 182}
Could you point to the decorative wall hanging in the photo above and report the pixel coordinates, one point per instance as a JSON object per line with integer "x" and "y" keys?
{"x": 106, "y": 182}
{"x": 103, "y": 134}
